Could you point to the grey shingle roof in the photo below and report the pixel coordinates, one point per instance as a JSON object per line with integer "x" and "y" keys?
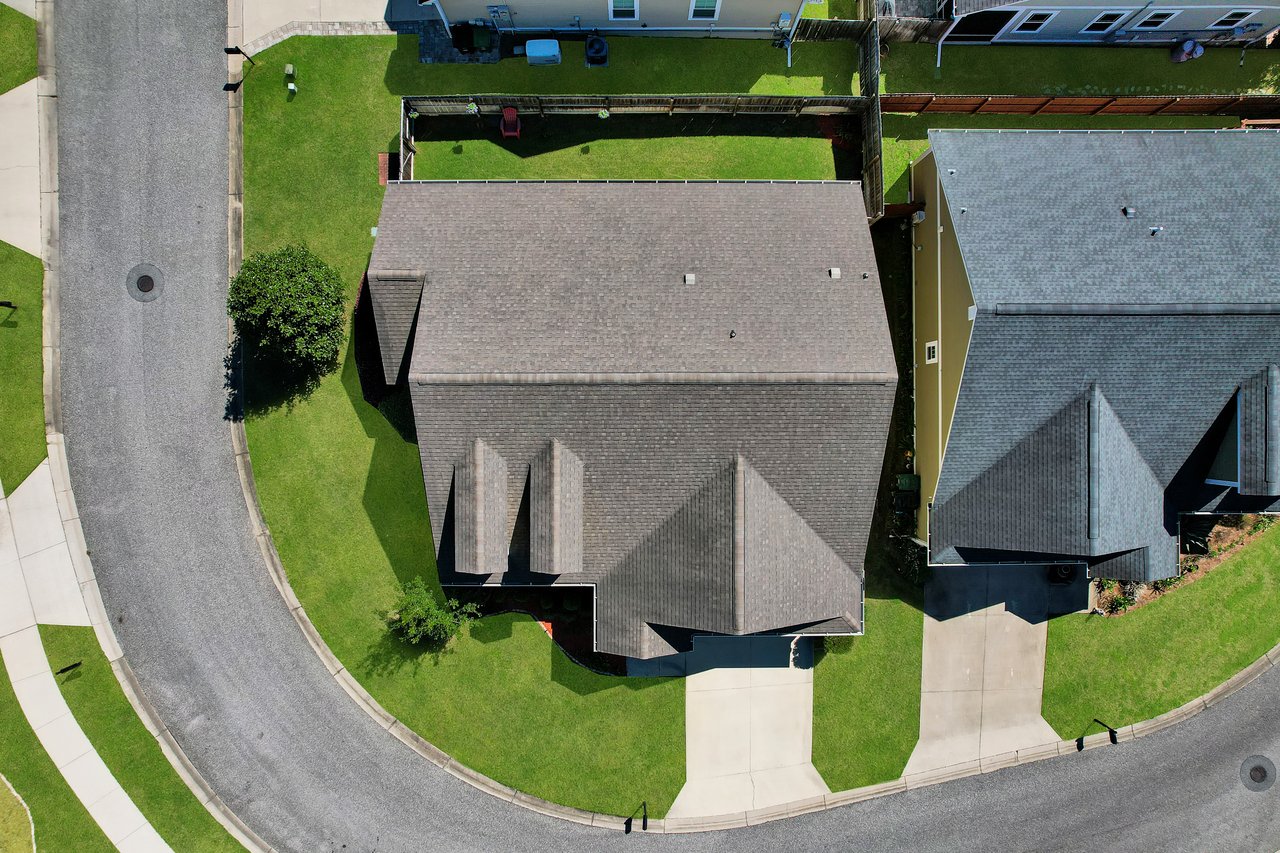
{"x": 574, "y": 278}
{"x": 1260, "y": 433}
{"x": 1018, "y": 474}
{"x": 1051, "y": 203}
{"x": 701, "y": 482}
{"x": 394, "y": 295}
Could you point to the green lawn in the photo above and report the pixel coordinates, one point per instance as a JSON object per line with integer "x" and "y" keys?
{"x": 61, "y": 822}
{"x": 846, "y": 9}
{"x": 21, "y": 366}
{"x": 905, "y": 135}
{"x": 130, "y": 752}
{"x": 1137, "y": 666}
{"x": 15, "y": 826}
{"x": 866, "y": 696}
{"x": 632, "y": 147}
{"x": 17, "y": 48}
{"x": 1044, "y": 70}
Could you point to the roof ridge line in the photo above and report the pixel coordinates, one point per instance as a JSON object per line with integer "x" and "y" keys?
{"x": 1132, "y": 309}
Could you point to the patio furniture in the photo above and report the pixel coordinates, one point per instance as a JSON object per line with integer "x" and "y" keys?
{"x": 510, "y": 123}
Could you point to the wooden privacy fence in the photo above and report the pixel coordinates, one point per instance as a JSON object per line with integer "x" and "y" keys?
{"x": 622, "y": 104}
{"x": 890, "y": 29}
{"x": 1244, "y": 106}
{"x": 872, "y": 143}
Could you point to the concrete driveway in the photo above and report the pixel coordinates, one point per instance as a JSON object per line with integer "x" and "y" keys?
{"x": 985, "y": 631}
{"x": 748, "y": 726}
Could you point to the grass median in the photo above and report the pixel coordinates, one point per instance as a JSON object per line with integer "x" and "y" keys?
{"x": 130, "y": 752}
{"x": 18, "y": 47}
{"x": 1129, "y": 668}
{"x": 21, "y": 365}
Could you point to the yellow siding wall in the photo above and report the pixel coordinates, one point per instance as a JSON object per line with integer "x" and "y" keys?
{"x": 941, "y": 302}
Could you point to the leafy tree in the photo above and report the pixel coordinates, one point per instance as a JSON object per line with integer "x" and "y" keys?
{"x": 418, "y": 617}
{"x": 287, "y": 306}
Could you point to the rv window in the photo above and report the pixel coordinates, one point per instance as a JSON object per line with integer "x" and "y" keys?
{"x": 1104, "y": 22}
{"x": 1034, "y": 22}
{"x": 1233, "y": 18}
{"x": 623, "y": 10}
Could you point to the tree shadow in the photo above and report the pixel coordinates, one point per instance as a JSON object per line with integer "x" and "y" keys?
{"x": 257, "y": 384}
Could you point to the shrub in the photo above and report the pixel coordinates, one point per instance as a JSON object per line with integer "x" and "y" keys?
{"x": 418, "y": 617}
{"x": 1166, "y": 584}
{"x": 837, "y": 645}
{"x": 287, "y": 305}
{"x": 1120, "y": 603}
{"x": 1106, "y": 584}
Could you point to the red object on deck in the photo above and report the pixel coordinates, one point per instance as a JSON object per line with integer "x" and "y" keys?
{"x": 546, "y": 626}
{"x": 510, "y": 123}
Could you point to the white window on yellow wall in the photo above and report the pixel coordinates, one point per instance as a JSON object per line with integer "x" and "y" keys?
{"x": 931, "y": 352}
{"x": 624, "y": 10}
{"x": 704, "y": 10}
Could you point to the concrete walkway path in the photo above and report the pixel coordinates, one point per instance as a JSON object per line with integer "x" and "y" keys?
{"x": 985, "y": 631}
{"x": 748, "y": 726}
{"x": 38, "y": 584}
{"x": 20, "y": 169}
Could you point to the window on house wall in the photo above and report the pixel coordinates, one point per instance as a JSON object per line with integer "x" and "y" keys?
{"x": 1034, "y": 22}
{"x": 704, "y": 10}
{"x": 1232, "y": 19}
{"x": 624, "y": 10}
{"x": 1157, "y": 19}
{"x": 931, "y": 352}
{"x": 1104, "y": 23}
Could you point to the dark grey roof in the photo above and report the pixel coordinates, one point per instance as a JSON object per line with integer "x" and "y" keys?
{"x": 588, "y": 278}
{"x": 702, "y": 482}
{"x": 1043, "y": 221}
{"x": 394, "y": 295}
{"x": 1260, "y": 433}
{"x": 1093, "y": 393}
{"x": 647, "y": 451}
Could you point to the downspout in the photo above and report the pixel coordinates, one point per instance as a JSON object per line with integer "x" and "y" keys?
{"x": 943, "y": 37}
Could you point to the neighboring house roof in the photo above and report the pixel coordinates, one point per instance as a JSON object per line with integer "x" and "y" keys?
{"x": 701, "y": 482}
{"x": 1104, "y": 361}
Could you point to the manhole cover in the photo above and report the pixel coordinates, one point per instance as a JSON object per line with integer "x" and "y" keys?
{"x": 1258, "y": 773}
{"x": 145, "y": 282}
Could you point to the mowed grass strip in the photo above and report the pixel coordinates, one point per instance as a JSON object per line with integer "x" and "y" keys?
{"x": 1079, "y": 71}
{"x": 17, "y": 48}
{"x": 22, "y": 445}
{"x": 866, "y": 698}
{"x": 15, "y": 825}
{"x": 130, "y": 752}
{"x": 60, "y": 821}
{"x": 1137, "y": 666}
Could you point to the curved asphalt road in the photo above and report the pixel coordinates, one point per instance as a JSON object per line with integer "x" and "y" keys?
{"x": 142, "y": 161}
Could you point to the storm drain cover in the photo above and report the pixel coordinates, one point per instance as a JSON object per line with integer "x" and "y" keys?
{"x": 1258, "y": 773}
{"x": 145, "y": 282}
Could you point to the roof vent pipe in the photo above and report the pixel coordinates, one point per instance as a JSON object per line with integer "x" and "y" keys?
{"x": 1129, "y": 212}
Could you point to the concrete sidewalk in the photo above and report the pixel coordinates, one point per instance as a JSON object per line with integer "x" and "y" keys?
{"x": 985, "y": 631}
{"x": 20, "y": 169}
{"x": 748, "y": 726}
{"x": 38, "y": 584}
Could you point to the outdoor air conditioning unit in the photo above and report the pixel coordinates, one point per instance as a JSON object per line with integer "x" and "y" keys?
{"x": 542, "y": 51}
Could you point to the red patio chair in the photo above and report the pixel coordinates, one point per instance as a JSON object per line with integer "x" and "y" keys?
{"x": 510, "y": 123}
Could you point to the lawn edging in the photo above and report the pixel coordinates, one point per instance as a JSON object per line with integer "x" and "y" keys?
{"x": 60, "y": 471}
{"x": 31, "y": 823}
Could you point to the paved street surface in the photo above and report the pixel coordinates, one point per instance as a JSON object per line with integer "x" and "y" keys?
{"x": 143, "y": 154}
{"x": 748, "y": 726}
{"x": 985, "y": 629}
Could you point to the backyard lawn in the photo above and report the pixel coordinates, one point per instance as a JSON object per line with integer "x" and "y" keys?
{"x": 15, "y": 826}
{"x": 1136, "y": 666}
{"x": 1042, "y": 70}
{"x": 61, "y": 822}
{"x": 22, "y": 391}
{"x": 905, "y": 135}
{"x": 130, "y": 752}
{"x": 17, "y": 48}
{"x": 687, "y": 147}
